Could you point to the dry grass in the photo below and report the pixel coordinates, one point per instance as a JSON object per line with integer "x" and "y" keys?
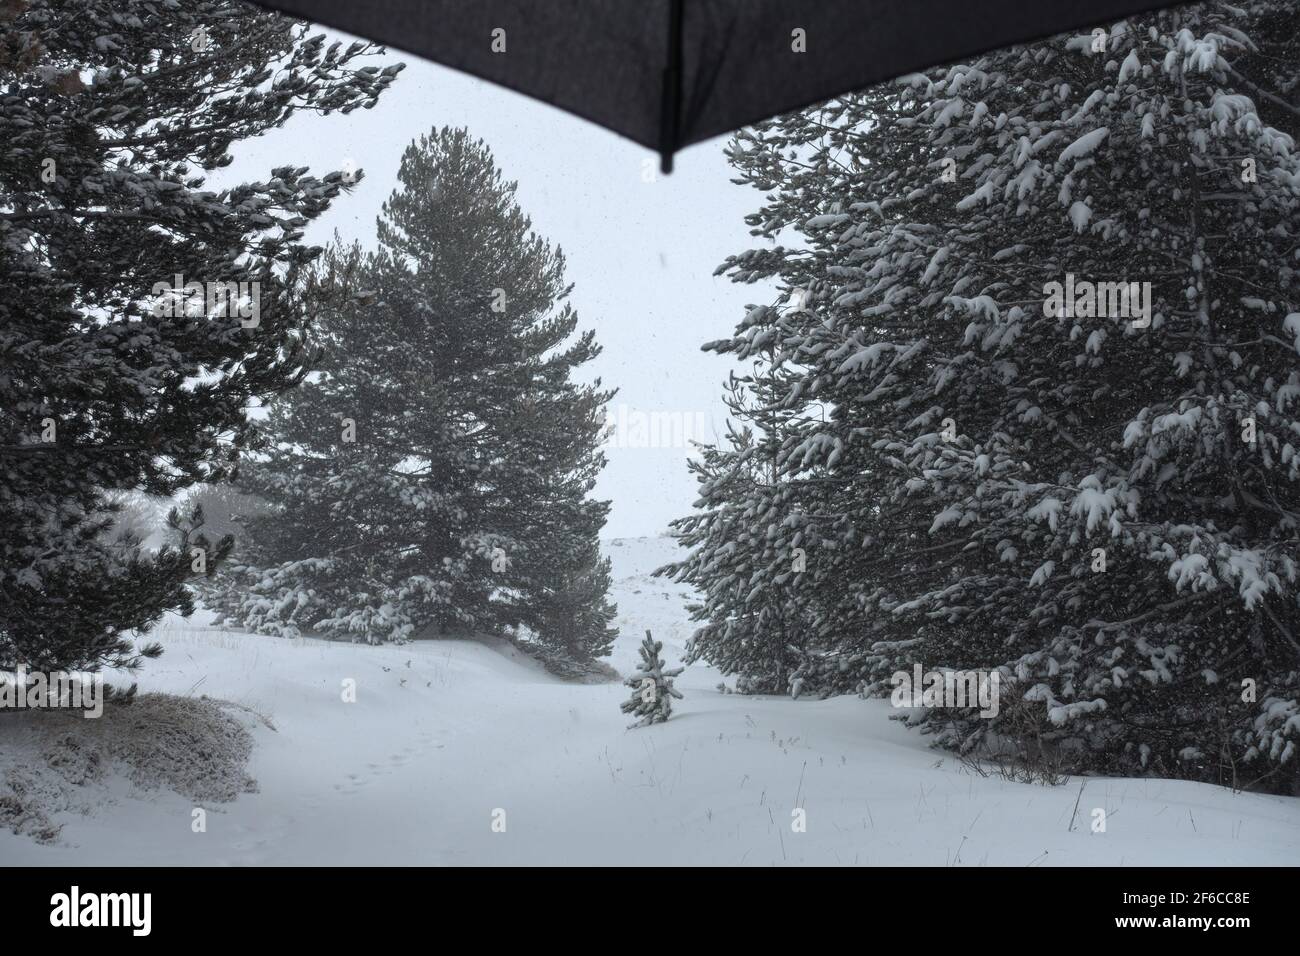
{"x": 58, "y": 761}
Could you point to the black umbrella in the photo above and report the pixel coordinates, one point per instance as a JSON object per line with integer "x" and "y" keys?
{"x": 668, "y": 73}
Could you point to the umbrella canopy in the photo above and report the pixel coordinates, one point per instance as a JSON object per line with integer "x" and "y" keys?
{"x": 668, "y": 73}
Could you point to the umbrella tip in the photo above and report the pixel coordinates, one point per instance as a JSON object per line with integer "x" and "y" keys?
{"x": 665, "y": 162}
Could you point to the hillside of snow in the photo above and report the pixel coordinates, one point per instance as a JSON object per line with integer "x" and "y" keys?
{"x": 448, "y": 736}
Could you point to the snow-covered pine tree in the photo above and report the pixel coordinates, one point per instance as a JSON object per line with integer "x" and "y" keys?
{"x": 111, "y": 113}
{"x": 1103, "y": 507}
{"x": 569, "y": 613}
{"x": 652, "y": 687}
{"x": 747, "y": 550}
{"x": 435, "y": 473}
{"x": 224, "y": 510}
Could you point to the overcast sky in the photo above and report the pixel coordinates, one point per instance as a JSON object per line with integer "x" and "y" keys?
{"x": 640, "y": 254}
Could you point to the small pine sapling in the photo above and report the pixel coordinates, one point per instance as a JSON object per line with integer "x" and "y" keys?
{"x": 652, "y": 687}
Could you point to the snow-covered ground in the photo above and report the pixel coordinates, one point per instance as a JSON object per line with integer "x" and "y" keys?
{"x": 446, "y": 734}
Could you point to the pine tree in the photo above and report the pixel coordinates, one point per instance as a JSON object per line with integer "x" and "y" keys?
{"x": 225, "y": 510}
{"x": 748, "y": 551}
{"x": 111, "y": 114}
{"x": 433, "y": 474}
{"x": 569, "y": 610}
{"x": 652, "y": 687}
{"x": 1099, "y": 501}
